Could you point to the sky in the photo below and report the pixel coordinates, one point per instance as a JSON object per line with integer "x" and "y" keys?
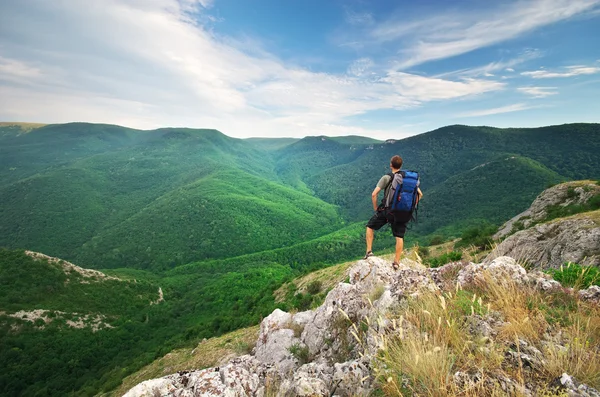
{"x": 295, "y": 68}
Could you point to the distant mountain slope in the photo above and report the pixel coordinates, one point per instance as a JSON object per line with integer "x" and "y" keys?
{"x": 149, "y": 199}
{"x": 568, "y": 150}
{"x": 490, "y": 192}
{"x": 228, "y": 213}
{"x": 67, "y": 330}
{"x": 106, "y": 195}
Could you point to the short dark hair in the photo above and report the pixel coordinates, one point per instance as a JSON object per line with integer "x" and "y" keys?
{"x": 396, "y": 162}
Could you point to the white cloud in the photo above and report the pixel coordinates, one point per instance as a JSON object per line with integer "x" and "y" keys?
{"x": 360, "y": 67}
{"x": 450, "y": 34}
{"x": 426, "y": 88}
{"x": 146, "y": 64}
{"x": 358, "y": 18}
{"x": 486, "y": 70}
{"x": 570, "y": 71}
{"x": 538, "y": 92}
{"x": 12, "y": 69}
{"x": 509, "y": 69}
{"x": 504, "y": 109}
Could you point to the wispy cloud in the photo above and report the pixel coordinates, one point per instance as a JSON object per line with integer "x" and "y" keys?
{"x": 569, "y": 71}
{"x": 360, "y": 67}
{"x": 358, "y": 18}
{"x": 503, "y": 109}
{"x": 501, "y": 65}
{"x": 450, "y": 34}
{"x": 156, "y": 67}
{"x": 538, "y": 92}
{"x": 11, "y": 69}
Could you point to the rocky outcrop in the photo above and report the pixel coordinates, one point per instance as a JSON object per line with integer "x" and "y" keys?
{"x": 575, "y": 239}
{"x": 578, "y": 192}
{"x": 67, "y": 267}
{"x": 332, "y": 350}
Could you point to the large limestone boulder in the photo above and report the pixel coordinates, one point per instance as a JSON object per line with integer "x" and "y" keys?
{"x": 574, "y": 239}
{"x": 340, "y": 340}
{"x": 278, "y": 333}
{"x": 577, "y": 192}
{"x": 241, "y": 377}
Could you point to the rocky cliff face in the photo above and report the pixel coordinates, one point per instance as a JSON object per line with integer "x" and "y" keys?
{"x": 544, "y": 244}
{"x": 346, "y": 346}
{"x": 565, "y": 194}
{"x": 549, "y": 245}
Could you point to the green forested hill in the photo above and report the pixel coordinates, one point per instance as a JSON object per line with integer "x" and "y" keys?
{"x": 108, "y": 196}
{"x": 218, "y": 223}
{"x": 484, "y": 194}
{"x": 568, "y": 150}
{"x": 68, "y": 333}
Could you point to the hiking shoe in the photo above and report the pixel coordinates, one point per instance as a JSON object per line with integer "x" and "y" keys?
{"x": 369, "y": 253}
{"x": 395, "y": 265}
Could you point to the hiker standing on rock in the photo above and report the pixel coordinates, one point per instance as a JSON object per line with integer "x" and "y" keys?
{"x": 400, "y": 198}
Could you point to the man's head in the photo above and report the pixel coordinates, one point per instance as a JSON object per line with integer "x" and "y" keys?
{"x": 396, "y": 163}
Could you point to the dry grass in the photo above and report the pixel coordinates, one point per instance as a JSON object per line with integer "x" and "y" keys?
{"x": 26, "y": 127}
{"x": 329, "y": 278}
{"x": 516, "y": 303}
{"x": 207, "y": 354}
{"x": 444, "y": 248}
{"x": 432, "y": 341}
{"x": 581, "y": 355}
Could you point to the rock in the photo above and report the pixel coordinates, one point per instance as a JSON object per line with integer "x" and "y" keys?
{"x": 328, "y": 334}
{"x": 574, "y": 388}
{"x": 241, "y": 377}
{"x": 310, "y": 380}
{"x": 500, "y": 269}
{"x": 409, "y": 282}
{"x": 592, "y": 294}
{"x": 340, "y": 339}
{"x": 351, "y": 378}
{"x": 575, "y": 239}
{"x": 543, "y": 281}
{"x": 371, "y": 271}
{"x": 445, "y": 276}
{"x": 275, "y": 338}
{"x": 480, "y": 326}
{"x": 556, "y": 195}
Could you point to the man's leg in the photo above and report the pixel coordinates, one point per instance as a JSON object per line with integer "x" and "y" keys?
{"x": 370, "y": 234}
{"x": 399, "y": 248}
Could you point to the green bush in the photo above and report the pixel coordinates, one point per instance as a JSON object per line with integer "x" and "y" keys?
{"x": 438, "y": 261}
{"x": 577, "y": 276}
{"x": 437, "y": 239}
{"x": 479, "y": 236}
{"x": 314, "y": 287}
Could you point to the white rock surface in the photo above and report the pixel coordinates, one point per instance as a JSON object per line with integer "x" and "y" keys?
{"x": 344, "y": 334}
{"x": 575, "y": 239}
{"x": 556, "y": 195}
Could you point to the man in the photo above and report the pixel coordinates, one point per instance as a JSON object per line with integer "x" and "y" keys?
{"x": 380, "y": 218}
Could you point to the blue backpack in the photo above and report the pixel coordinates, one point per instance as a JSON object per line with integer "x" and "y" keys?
{"x": 400, "y": 201}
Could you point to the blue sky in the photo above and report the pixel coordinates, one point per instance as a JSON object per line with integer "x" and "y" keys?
{"x": 385, "y": 69}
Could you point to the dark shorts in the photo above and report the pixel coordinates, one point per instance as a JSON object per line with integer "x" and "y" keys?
{"x": 380, "y": 219}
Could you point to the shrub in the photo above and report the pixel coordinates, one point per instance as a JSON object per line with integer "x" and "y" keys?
{"x": 314, "y": 287}
{"x": 479, "y": 236}
{"x": 436, "y": 240}
{"x": 448, "y": 257}
{"x": 577, "y": 276}
{"x": 300, "y": 352}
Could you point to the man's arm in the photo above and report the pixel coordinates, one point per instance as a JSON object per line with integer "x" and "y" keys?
{"x": 419, "y": 194}
{"x": 374, "y": 197}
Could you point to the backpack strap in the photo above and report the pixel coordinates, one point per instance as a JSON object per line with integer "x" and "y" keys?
{"x": 391, "y": 175}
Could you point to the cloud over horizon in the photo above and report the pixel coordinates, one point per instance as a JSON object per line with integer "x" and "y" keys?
{"x": 149, "y": 64}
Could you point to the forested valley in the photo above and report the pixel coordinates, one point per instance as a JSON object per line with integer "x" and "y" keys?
{"x": 216, "y": 224}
